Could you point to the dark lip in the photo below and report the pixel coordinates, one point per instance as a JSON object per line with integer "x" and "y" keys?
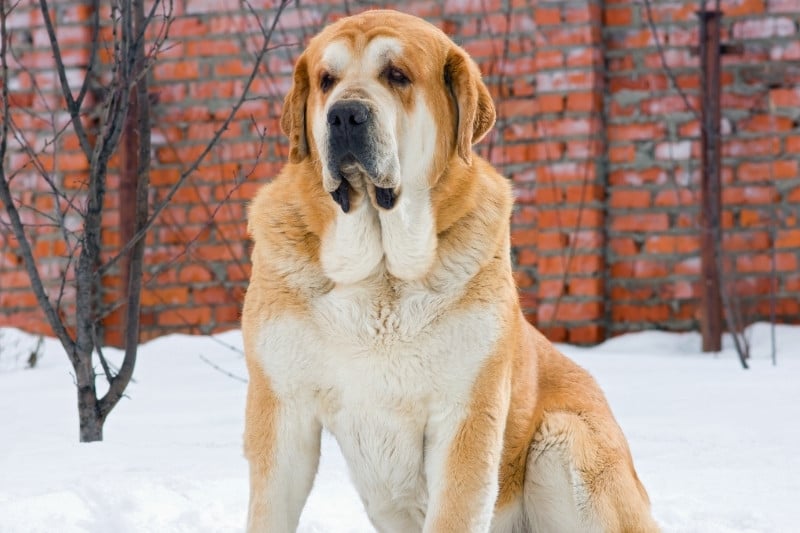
{"x": 342, "y": 195}
{"x": 385, "y": 197}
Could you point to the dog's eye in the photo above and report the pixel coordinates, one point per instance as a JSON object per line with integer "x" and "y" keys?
{"x": 326, "y": 81}
{"x": 396, "y": 76}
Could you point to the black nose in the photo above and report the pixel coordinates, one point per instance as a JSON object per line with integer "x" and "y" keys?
{"x": 347, "y": 117}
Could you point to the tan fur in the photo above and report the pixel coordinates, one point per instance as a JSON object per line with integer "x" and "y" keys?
{"x": 478, "y": 441}
{"x": 529, "y": 404}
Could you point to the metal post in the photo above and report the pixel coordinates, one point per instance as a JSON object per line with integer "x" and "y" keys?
{"x": 711, "y": 190}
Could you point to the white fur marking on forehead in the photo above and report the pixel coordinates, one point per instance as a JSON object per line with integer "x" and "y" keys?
{"x": 336, "y": 56}
{"x": 380, "y": 50}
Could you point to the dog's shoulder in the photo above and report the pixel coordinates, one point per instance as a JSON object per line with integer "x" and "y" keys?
{"x": 290, "y": 210}
{"x": 286, "y": 220}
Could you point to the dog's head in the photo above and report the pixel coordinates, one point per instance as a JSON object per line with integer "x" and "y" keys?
{"x": 384, "y": 101}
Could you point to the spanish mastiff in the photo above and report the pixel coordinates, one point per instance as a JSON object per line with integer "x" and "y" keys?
{"x": 382, "y": 307}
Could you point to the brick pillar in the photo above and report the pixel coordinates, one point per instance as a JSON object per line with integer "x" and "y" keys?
{"x": 564, "y": 207}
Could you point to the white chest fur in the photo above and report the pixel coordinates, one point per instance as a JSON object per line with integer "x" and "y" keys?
{"x": 378, "y": 363}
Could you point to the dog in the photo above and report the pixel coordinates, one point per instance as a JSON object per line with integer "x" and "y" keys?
{"x": 382, "y": 307}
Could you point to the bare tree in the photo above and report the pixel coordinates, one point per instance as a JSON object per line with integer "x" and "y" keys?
{"x": 106, "y": 110}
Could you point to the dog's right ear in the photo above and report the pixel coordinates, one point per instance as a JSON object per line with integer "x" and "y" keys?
{"x": 293, "y": 119}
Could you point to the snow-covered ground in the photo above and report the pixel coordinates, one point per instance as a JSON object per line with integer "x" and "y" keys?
{"x": 718, "y": 448}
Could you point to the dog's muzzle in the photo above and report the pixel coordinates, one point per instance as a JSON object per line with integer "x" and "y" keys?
{"x": 351, "y": 128}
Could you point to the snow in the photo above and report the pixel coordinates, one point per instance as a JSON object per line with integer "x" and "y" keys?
{"x": 716, "y": 446}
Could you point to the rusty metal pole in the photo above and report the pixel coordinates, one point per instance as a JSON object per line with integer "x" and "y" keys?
{"x": 711, "y": 189}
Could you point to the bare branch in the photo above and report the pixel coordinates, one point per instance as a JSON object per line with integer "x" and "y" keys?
{"x": 72, "y": 106}
{"x": 217, "y": 134}
{"x": 92, "y": 53}
{"x": 64, "y": 276}
{"x": 16, "y": 223}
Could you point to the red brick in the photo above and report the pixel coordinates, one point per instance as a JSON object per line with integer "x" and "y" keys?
{"x": 765, "y": 123}
{"x": 676, "y": 197}
{"x": 570, "y": 218}
{"x": 227, "y": 316}
{"x": 622, "y": 153}
{"x": 546, "y": 59}
{"x": 785, "y": 169}
{"x": 165, "y": 295}
{"x": 583, "y": 57}
{"x": 187, "y": 26}
{"x": 211, "y": 295}
{"x": 635, "y": 132}
{"x": 588, "y": 12}
{"x": 785, "y": 97}
{"x": 622, "y": 293}
{"x": 644, "y": 222}
{"x": 784, "y": 262}
{"x": 623, "y": 246}
{"x": 630, "y": 198}
{"x": 547, "y": 16}
{"x": 640, "y": 268}
{"x": 529, "y": 237}
{"x": 672, "y": 244}
{"x": 788, "y": 238}
{"x": 658, "y": 313}
{"x": 527, "y": 257}
{"x": 564, "y": 311}
{"x": 584, "y": 101}
{"x": 751, "y": 195}
{"x": 550, "y": 103}
{"x": 550, "y": 289}
{"x": 739, "y": 8}
{"x": 177, "y": 70}
{"x": 192, "y": 316}
{"x": 194, "y": 273}
{"x": 585, "y": 286}
{"x": 750, "y": 147}
{"x": 588, "y": 334}
{"x": 746, "y": 241}
{"x": 617, "y": 16}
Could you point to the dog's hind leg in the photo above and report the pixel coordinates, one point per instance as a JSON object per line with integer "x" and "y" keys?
{"x": 580, "y": 478}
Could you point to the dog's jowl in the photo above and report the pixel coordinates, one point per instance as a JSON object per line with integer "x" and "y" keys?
{"x": 382, "y": 307}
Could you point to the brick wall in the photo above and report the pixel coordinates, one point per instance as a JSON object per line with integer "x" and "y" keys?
{"x": 601, "y": 148}
{"x": 653, "y": 167}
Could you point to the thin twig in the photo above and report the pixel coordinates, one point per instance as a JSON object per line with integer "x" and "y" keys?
{"x": 221, "y": 370}
{"x": 670, "y": 74}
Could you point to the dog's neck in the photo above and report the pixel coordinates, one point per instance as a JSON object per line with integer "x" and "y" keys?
{"x": 401, "y": 240}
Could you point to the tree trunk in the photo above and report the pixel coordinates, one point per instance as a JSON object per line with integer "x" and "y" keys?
{"x": 89, "y": 415}
{"x": 91, "y": 424}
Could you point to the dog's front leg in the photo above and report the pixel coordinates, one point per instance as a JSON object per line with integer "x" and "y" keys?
{"x": 282, "y": 442}
{"x": 462, "y": 458}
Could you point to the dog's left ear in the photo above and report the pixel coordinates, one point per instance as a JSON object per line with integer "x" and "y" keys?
{"x": 476, "y": 113}
{"x": 293, "y": 119}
